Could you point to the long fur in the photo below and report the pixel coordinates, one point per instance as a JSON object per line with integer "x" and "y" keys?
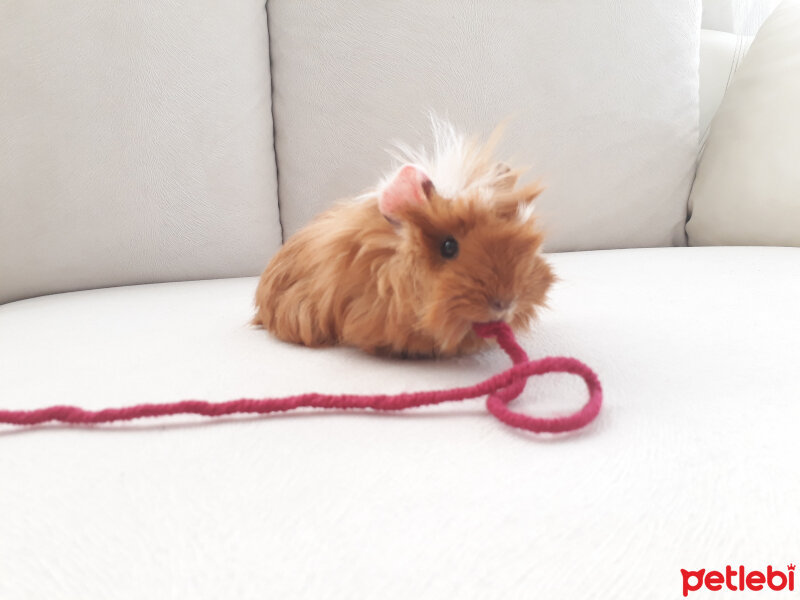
{"x": 353, "y": 277}
{"x": 457, "y": 163}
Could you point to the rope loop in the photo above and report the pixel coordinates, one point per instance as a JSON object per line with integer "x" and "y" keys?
{"x": 501, "y": 390}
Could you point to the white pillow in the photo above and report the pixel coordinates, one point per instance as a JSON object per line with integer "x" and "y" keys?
{"x": 603, "y": 95}
{"x": 747, "y": 190}
{"x": 721, "y": 54}
{"x": 135, "y": 143}
{"x": 742, "y": 17}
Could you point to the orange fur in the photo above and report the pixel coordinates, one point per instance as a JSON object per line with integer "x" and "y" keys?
{"x": 351, "y": 277}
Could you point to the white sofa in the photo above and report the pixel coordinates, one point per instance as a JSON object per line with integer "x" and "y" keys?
{"x": 691, "y": 463}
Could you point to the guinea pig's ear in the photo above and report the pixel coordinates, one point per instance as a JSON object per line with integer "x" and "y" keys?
{"x": 513, "y": 204}
{"x": 409, "y": 187}
{"x": 504, "y": 177}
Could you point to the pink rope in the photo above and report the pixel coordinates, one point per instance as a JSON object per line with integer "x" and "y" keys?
{"x": 501, "y": 389}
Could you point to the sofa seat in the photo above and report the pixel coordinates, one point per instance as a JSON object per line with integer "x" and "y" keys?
{"x": 691, "y": 464}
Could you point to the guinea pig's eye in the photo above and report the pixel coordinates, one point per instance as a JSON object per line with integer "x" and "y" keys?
{"x": 449, "y": 247}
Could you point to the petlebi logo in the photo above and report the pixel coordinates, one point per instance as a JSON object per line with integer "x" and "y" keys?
{"x": 739, "y": 579}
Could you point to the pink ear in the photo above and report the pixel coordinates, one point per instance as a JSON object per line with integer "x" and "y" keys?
{"x": 408, "y": 187}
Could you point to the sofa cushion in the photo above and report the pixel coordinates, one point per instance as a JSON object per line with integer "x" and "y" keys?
{"x": 690, "y": 464}
{"x": 135, "y": 143}
{"x": 721, "y": 54}
{"x": 736, "y": 16}
{"x": 747, "y": 190}
{"x": 602, "y": 95}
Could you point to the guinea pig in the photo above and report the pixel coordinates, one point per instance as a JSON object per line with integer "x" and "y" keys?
{"x": 448, "y": 240}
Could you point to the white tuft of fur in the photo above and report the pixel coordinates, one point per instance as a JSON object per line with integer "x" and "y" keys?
{"x": 525, "y": 213}
{"x": 455, "y": 164}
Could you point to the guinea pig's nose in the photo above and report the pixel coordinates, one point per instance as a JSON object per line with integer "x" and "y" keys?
{"x": 499, "y": 305}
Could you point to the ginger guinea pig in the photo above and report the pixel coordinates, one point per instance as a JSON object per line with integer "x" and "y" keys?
{"x": 445, "y": 242}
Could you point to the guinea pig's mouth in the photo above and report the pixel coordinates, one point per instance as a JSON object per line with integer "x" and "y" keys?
{"x": 505, "y": 313}
{"x": 513, "y": 315}
{"x": 501, "y": 308}
{"x": 507, "y": 317}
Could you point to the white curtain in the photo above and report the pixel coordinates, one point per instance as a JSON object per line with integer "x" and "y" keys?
{"x": 736, "y": 16}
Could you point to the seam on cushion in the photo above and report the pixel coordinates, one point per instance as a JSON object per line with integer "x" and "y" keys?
{"x": 736, "y": 60}
{"x": 740, "y": 52}
{"x": 274, "y": 132}
{"x": 701, "y": 145}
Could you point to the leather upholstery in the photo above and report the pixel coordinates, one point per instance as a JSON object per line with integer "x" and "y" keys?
{"x": 690, "y": 464}
{"x": 746, "y": 190}
{"x": 736, "y": 16}
{"x": 72, "y": 228}
{"x": 603, "y": 95}
{"x": 720, "y": 56}
{"x": 123, "y": 160}
{"x": 135, "y": 143}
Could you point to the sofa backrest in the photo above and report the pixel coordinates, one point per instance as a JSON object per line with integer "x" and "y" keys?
{"x": 602, "y": 96}
{"x": 136, "y": 142}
